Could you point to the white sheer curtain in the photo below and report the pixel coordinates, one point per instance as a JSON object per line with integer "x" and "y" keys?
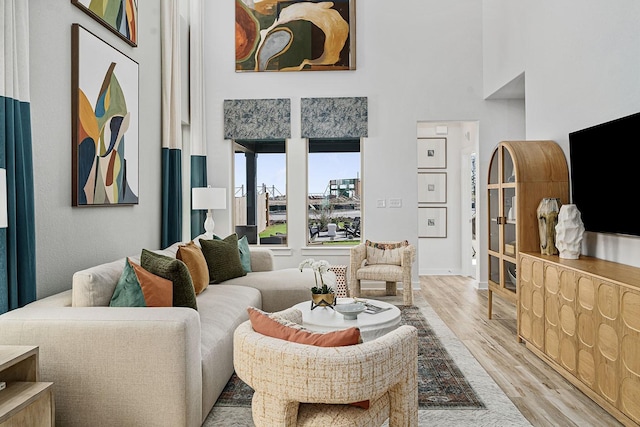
{"x": 198, "y": 141}
{"x": 171, "y": 124}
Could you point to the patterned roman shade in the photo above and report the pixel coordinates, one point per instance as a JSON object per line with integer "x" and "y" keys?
{"x": 334, "y": 117}
{"x": 257, "y": 119}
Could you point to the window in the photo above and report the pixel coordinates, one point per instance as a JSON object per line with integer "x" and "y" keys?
{"x": 260, "y": 182}
{"x": 334, "y": 191}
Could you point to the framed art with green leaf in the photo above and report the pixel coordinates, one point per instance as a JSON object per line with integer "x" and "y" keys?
{"x": 119, "y": 16}
{"x": 104, "y": 123}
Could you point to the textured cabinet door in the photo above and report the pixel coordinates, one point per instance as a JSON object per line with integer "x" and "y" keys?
{"x": 630, "y": 354}
{"x": 586, "y": 307}
{"x": 607, "y": 350}
{"x": 561, "y": 318}
{"x": 531, "y": 322}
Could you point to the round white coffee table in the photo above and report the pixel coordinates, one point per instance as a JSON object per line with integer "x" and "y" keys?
{"x": 324, "y": 319}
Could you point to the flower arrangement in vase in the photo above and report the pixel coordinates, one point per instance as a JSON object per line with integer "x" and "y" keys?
{"x": 321, "y": 294}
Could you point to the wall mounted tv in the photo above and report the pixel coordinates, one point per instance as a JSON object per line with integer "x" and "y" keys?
{"x": 605, "y": 175}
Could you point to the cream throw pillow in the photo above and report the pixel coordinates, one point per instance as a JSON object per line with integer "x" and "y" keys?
{"x": 384, "y": 252}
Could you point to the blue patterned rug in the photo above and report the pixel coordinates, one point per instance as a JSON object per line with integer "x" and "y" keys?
{"x": 441, "y": 385}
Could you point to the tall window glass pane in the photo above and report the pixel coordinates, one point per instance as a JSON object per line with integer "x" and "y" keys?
{"x": 260, "y": 181}
{"x": 334, "y": 192}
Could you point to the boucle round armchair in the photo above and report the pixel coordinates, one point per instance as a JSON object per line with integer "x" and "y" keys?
{"x": 304, "y": 385}
{"x": 388, "y": 262}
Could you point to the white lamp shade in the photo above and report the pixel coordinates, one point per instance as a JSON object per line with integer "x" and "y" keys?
{"x": 208, "y": 198}
{"x": 4, "y": 217}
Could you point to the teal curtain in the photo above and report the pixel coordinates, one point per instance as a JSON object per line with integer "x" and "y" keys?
{"x": 17, "y": 241}
{"x": 198, "y": 179}
{"x": 171, "y": 197}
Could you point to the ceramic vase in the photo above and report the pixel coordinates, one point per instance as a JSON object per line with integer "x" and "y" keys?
{"x": 548, "y": 210}
{"x": 511, "y": 215}
{"x": 569, "y": 232}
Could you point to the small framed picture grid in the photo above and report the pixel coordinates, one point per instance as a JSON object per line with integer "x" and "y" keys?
{"x": 432, "y": 222}
{"x": 432, "y": 153}
{"x": 432, "y": 187}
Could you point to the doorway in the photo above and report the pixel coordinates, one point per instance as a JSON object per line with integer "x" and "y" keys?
{"x": 469, "y": 213}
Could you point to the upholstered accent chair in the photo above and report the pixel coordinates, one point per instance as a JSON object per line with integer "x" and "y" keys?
{"x": 304, "y": 385}
{"x": 389, "y": 262}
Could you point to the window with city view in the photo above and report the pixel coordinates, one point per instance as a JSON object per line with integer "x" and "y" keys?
{"x": 260, "y": 182}
{"x": 333, "y": 192}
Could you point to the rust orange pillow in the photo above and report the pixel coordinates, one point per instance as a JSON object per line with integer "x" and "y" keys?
{"x": 138, "y": 287}
{"x": 265, "y": 325}
{"x": 158, "y": 292}
{"x": 196, "y": 263}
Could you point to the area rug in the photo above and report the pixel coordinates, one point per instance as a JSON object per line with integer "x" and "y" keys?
{"x": 441, "y": 385}
{"x": 499, "y": 411}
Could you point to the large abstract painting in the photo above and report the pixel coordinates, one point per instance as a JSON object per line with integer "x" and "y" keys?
{"x": 119, "y": 16}
{"x": 104, "y": 123}
{"x": 295, "y": 35}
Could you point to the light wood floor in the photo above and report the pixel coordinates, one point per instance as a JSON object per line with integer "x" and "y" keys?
{"x": 541, "y": 394}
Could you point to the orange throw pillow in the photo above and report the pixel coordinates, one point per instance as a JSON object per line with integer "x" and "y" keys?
{"x": 157, "y": 291}
{"x": 196, "y": 263}
{"x": 267, "y": 326}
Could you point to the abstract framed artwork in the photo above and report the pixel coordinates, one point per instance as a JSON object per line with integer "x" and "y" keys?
{"x": 432, "y": 153}
{"x": 104, "y": 123}
{"x": 432, "y": 187}
{"x": 119, "y": 16}
{"x": 432, "y": 222}
{"x": 295, "y": 35}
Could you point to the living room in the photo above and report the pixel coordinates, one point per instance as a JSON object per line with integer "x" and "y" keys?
{"x": 521, "y": 71}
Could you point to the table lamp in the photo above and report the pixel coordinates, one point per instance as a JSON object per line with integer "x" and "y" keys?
{"x": 4, "y": 217}
{"x": 208, "y": 198}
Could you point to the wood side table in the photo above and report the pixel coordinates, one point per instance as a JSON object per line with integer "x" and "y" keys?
{"x": 25, "y": 401}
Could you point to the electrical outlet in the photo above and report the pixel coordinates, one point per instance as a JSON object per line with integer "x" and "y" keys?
{"x": 381, "y": 203}
{"x": 395, "y": 203}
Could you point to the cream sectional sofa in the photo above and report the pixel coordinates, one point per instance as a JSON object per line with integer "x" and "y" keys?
{"x": 114, "y": 366}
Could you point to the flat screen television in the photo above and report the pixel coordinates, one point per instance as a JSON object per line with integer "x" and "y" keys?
{"x": 605, "y": 175}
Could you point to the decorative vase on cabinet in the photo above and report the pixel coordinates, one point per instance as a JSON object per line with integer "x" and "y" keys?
{"x": 521, "y": 173}
{"x": 547, "y": 211}
{"x": 569, "y": 232}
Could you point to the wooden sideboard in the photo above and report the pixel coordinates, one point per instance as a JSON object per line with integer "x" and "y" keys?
{"x": 582, "y": 317}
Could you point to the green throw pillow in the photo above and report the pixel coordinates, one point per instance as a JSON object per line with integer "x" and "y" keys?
{"x": 245, "y": 255}
{"x": 184, "y": 294}
{"x": 223, "y": 258}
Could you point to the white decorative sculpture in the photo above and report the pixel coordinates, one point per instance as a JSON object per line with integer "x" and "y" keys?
{"x": 569, "y": 232}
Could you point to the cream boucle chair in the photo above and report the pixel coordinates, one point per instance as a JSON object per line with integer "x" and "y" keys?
{"x": 304, "y": 385}
{"x": 389, "y": 273}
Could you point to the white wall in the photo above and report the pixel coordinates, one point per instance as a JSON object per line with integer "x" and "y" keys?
{"x": 421, "y": 62}
{"x": 583, "y": 68}
{"x": 70, "y": 239}
{"x": 503, "y": 43}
